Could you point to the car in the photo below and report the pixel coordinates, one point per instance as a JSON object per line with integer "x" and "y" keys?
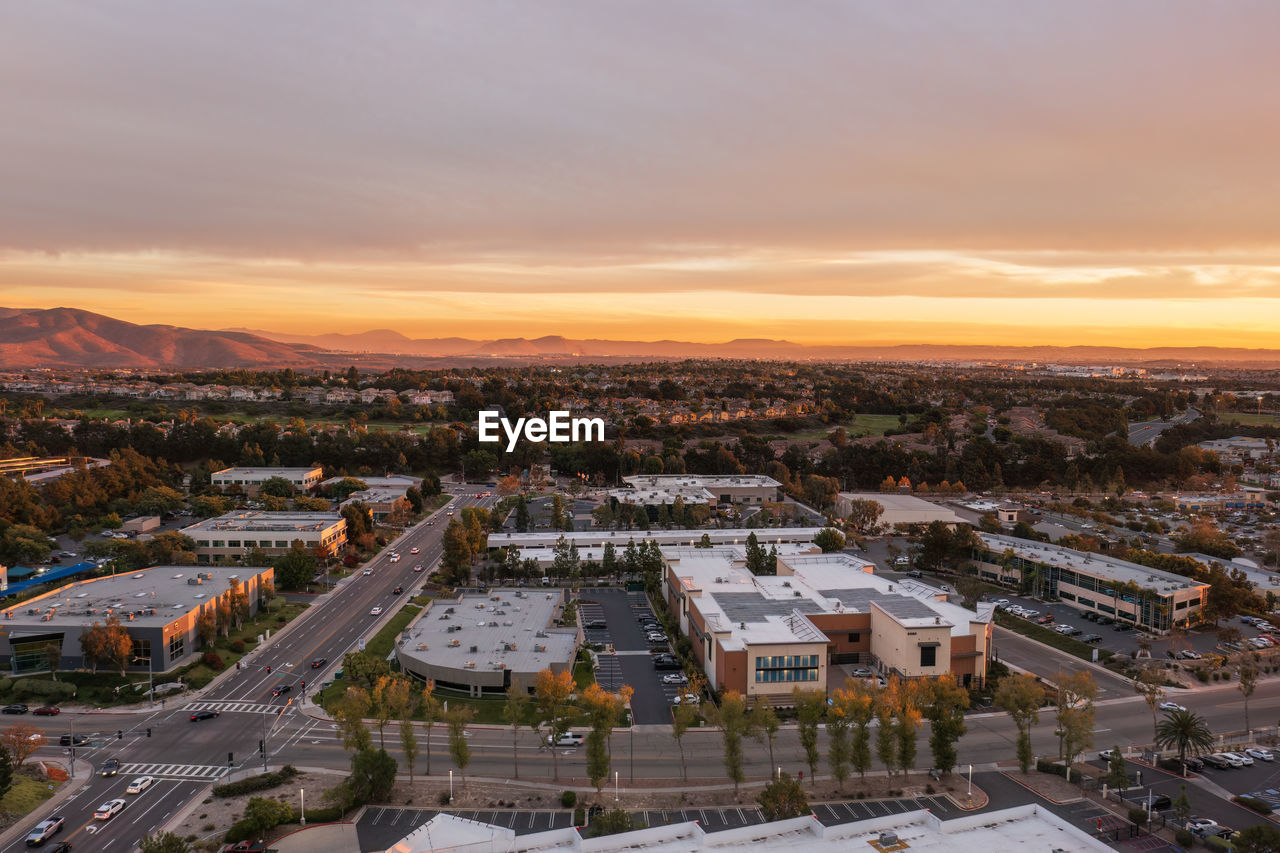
{"x": 1089, "y": 615}
{"x": 1030, "y": 614}
{"x": 414, "y": 551}
{"x": 1123, "y": 626}
{"x": 675, "y": 678}
{"x": 203, "y": 715}
{"x": 1188, "y": 654}
{"x": 1216, "y": 760}
{"x": 1261, "y": 643}
{"x": 395, "y": 558}
{"x": 1200, "y": 825}
{"x": 1045, "y": 619}
{"x": 68, "y": 740}
{"x": 417, "y": 568}
{"x": 1091, "y": 638}
{"x": 685, "y": 699}
{"x": 861, "y": 672}
{"x": 568, "y": 739}
{"x": 142, "y": 783}
{"x": 1245, "y": 761}
{"x": 1106, "y": 754}
{"x": 1063, "y": 629}
{"x": 901, "y": 561}
{"x": 1156, "y": 802}
{"x": 110, "y": 767}
{"x": 656, "y": 638}
{"x": 47, "y": 711}
{"x": 44, "y": 830}
{"x": 14, "y": 709}
{"x": 595, "y": 623}
{"x": 377, "y": 611}
{"x": 1106, "y": 620}
{"x": 397, "y": 590}
{"x": 368, "y": 572}
{"x": 109, "y": 809}
{"x": 281, "y": 690}
{"x": 316, "y": 663}
{"x": 666, "y": 663}
{"x": 1171, "y": 706}
{"x": 1260, "y": 754}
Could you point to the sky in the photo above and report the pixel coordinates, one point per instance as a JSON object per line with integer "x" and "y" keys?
{"x": 1083, "y": 172}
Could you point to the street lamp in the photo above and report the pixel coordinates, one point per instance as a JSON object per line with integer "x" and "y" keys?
{"x": 615, "y": 786}
{"x": 151, "y": 680}
{"x": 451, "y": 787}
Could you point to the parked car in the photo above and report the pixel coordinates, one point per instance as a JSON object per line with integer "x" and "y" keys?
{"x": 1091, "y": 638}
{"x": 1001, "y": 602}
{"x": 675, "y": 678}
{"x": 1045, "y": 619}
{"x": 596, "y": 623}
{"x": 861, "y": 672}
{"x": 1200, "y": 825}
{"x": 666, "y": 663}
{"x": 1156, "y": 802}
{"x": 44, "y": 830}
{"x": 685, "y": 699}
{"x": 1106, "y": 754}
{"x": 1233, "y": 757}
{"x": 14, "y": 709}
{"x": 142, "y": 783}
{"x": 109, "y": 809}
{"x": 1216, "y": 760}
{"x": 1260, "y": 754}
{"x": 47, "y": 711}
{"x": 1189, "y": 654}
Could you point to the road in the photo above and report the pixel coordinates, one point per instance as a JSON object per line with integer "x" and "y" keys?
{"x": 186, "y": 755}
{"x": 1145, "y": 433}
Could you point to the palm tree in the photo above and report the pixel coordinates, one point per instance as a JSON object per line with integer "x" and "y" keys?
{"x": 1184, "y": 731}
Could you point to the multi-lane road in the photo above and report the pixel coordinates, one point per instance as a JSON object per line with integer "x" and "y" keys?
{"x": 186, "y": 755}
{"x": 1145, "y": 433}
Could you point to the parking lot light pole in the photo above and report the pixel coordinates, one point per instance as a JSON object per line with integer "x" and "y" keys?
{"x": 970, "y": 781}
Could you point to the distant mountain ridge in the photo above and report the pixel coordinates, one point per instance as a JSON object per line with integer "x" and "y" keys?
{"x": 71, "y": 337}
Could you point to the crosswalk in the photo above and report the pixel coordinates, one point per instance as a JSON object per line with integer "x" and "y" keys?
{"x": 233, "y": 707}
{"x": 175, "y": 771}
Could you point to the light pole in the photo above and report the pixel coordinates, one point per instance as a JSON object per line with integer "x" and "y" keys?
{"x": 451, "y": 787}
{"x": 970, "y": 781}
{"x": 151, "y": 680}
{"x": 303, "y": 793}
{"x": 615, "y": 786}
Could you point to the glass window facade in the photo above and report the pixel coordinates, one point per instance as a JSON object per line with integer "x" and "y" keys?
{"x": 772, "y": 669}
{"x": 176, "y": 647}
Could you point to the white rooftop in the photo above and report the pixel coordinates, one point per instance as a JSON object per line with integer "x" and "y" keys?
{"x": 766, "y": 536}
{"x": 703, "y": 481}
{"x": 258, "y": 520}
{"x": 262, "y": 472}
{"x": 1098, "y": 565}
{"x": 898, "y": 502}
{"x": 402, "y": 481}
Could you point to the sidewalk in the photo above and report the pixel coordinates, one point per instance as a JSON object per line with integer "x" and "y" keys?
{"x": 68, "y": 789}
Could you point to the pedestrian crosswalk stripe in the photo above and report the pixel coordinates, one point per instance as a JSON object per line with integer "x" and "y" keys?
{"x": 234, "y": 707}
{"x": 175, "y": 771}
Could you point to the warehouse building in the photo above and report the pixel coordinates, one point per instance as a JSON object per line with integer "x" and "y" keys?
{"x": 765, "y": 635}
{"x": 250, "y": 480}
{"x": 766, "y": 536}
{"x": 159, "y": 607}
{"x": 480, "y": 642}
{"x": 749, "y": 489}
{"x": 898, "y": 510}
{"x": 228, "y": 538}
{"x": 1151, "y": 599}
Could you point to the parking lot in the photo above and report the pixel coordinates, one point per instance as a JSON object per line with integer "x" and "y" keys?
{"x": 630, "y": 662}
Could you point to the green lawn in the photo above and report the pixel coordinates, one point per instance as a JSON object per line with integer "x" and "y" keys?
{"x": 1250, "y": 418}
{"x": 384, "y": 641}
{"x": 861, "y": 425}
{"x": 26, "y": 794}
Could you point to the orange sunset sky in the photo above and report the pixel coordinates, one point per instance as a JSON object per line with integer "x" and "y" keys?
{"x": 825, "y": 172}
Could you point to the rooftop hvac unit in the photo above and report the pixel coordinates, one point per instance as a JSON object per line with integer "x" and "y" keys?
{"x": 195, "y": 581}
{"x": 888, "y": 839}
{"x": 475, "y": 649}
{"x": 796, "y": 593}
{"x": 470, "y": 664}
{"x": 453, "y": 644}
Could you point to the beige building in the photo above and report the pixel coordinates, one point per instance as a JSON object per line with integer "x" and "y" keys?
{"x": 749, "y": 489}
{"x": 228, "y": 538}
{"x": 251, "y": 479}
{"x": 765, "y": 635}
{"x": 899, "y": 510}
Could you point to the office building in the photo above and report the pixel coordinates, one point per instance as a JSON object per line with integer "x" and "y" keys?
{"x": 229, "y": 537}
{"x": 250, "y": 480}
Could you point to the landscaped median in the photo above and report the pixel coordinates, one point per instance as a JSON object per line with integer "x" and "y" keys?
{"x": 1049, "y": 637}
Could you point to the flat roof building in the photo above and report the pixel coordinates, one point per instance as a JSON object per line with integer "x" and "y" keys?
{"x": 159, "y": 607}
{"x": 751, "y": 489}
{"x": 1150, "y": 598}
{"x": 391, "y": 481}
{"x": 251, "y": 479}
{"x": 766, "y": 536}
{"x": 763, "y": 635}
{"x": 229, "y": 537}
{"x": 381, "y": 501}
{"x": 899, "y": 510}
{"x": 480, "y": 642}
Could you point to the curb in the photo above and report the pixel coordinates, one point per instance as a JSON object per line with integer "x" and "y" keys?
{"x": 1042, "y": 796}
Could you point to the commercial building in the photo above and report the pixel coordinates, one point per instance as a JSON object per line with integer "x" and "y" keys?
{"x": 898, "y": 510}
{"x": 229, "y": 537}
{"x": 1012, "y": 830}
{"x": 1241, "y": 448}
{"x": 250, "y": 480}
{"x": 766, "y": 536}
{"x": 546, "y": 557}
{"x": 141, "y": 524}
{"x": 764, "y": 635}
{"x": 480, "y": 642}
{"x": 403, "y": 482}
{"x": 380, "y": 501}
{"x": 159, "y": 607}
{"x": 1149, "y": 598}
{"x": 749, "y": 489}
{"x": 1217, "y": 504}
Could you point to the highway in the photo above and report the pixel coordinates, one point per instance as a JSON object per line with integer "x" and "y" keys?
{"x": 187, "y": 755}
{"x": 1145, "y": 433}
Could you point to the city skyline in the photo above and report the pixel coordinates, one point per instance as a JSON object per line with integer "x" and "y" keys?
{"x": 847, "y": 173}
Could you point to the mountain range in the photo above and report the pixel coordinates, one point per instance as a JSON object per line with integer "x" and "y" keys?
{"x": 70, "y": 337}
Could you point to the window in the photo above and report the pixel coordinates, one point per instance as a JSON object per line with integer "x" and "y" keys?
{"x": 854, "y": 636}
{"x": 176, "y": 647}
{"x": 928, "y": 655}
{"x": 141, "y": 649}
{"x": 786, "y": 668}
{"x": 233, "y": 543}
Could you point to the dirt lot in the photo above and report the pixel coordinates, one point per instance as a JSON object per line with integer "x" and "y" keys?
{"x": 210, "y": 819}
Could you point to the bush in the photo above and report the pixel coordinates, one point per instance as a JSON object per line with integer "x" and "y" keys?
{"x": 238, "y": 647}
{"x": 443, "y": 798}
{"x": 1184, "y": 838}
{"x": 328, "y": 814}
{"x": 1045, "y": 766}
{"x": 261, "y": 782}
{"x": 1213, "y": 842}
{"x": 1253, "y": 803}
{"x": 579, "y": 816}
{"x": 1138, "y": 816}
{"x": 45, "y": 689}
{"x": 213, "y": 661}
{"x": 568, "y": 799}
{"x": 1202, "y": 675}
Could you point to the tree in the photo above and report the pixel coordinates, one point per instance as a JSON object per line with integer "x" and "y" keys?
{"x": 295, "y": 568}
{"x": 373, "y": 774}
{"x": 238, "y": 598}
{"x": 810, "y": 706}
{"x": 430, "y": 715}
{"x": 1246, "y": 681}
{"x": 733, "y": 721}
{"x": 409, "y": 741}
{"x": 1260, "y": 838}
{"x": 605, "y": 710}
{"x": 262, "y": 813}
{"x": 456, "y": 720}
{"x": 1021, "y": 697}
{"x": 783, "y": 799}
{"x": 904, "y": 696}
{"x": 20, "y": 742}
{"x": 117, "y": 645}
{"x": 682, "y": 717}
{"x": 886, "y": 744}
{"x": 1117, "y": 775}
{"x": 1185, "y": 732}
{"x": 390, "y": 695}
{"x": 276, "y": 487}
{"x": 765, "y": 723}
{"x": 757, "y": 557}
{"x": 1149, "y": 684}
{"x": 457, "y": 553}
{"x": 1181, "y": 807}
{"x": 53, "y": 655}
{"x": 165, "y": 842}
{"x": 551, "y": 693}
{"x": 1076, "y": 695}
{"x": 91, "y": 644}
{"x": 6, "y": 772}
{"x": 829, "y": 540}
{"x": 349, "y": 712}
{"x": 946, "y": 701}
{"x": 513, "y": 710}
{"x": 838, "y": 723}
{"x": 864, "y": 515}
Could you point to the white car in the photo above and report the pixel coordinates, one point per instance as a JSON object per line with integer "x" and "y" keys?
{"x": 1029, "y": 614}
{"x": 142, "y": 783}
{"x": 1171, "y": 706}
{"x": 1064, "y": 629}
{"x": 1200, "y": 824}
{"x": 414, "y": 551}
{"x": 1260, "y": 754}
{"x": 109, "y": 809}
{"x": 1001, "y": 602}
{"x": 568, "y": 739}
{"x": 377, "y": 611}
{"x": 368, "y": 571}
{"x": 395, "y": 558}
{"x": 1233, "y": 757}
{"x": 685, "y": 699}
{"x": 675, "y": 678}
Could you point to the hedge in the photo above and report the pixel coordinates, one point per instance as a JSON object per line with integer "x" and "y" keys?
{"x": 1053, "y": 767}
{"x": 36, "y": 688}
{"x": 1213, "y": 842}
{"x": 243, "y": 830}
{"x": 261, "y": 782}
{"x": 1257, "y": 805}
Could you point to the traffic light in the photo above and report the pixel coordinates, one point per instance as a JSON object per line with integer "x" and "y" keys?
{"x": 230, "y": 759}
{"x": 302, "y": 685}
{"x": 262, "y": 747}
{"x": 148, "y": 731}
{"x": 268, "y": 670}
{"x": 119, "y": 734}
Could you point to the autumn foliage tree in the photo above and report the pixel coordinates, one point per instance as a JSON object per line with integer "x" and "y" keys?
{"x": 551, "y": 692}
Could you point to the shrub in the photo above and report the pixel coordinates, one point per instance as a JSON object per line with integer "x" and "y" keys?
{"x": 47, "y": 689}
{"x": 238, "y": 647}
{"x": 568, "y": 799}
{"x": 1202, "y": 675}
{"x": 1213, "y": 842}
{"x": 1138, "y": 816}
{"x": 579, "y": 816}
{"x": 1184, "y": 838}
{"x": 1045, "y": 766}
{"x": 1257, "y": 805}
{"x": 261, "y": 782}
{"x": 443, "y": 798}
{"x": 212, "y": 660}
